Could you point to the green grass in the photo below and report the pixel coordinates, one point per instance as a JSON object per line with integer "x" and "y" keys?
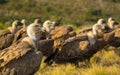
{"x": 76, "y": 12}
{"x": 3, "y": 26}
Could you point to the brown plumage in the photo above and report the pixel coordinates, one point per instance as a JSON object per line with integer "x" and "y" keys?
{"x": 60, "y": 34}
{"x": 78, "y": 49}
{"x": 23, "y": 58}
{"x": 7, "y": 35}
{"x": 20, "y": 60}
{"x": 115, "y": 41}
{"x": 46, "y": 46}
{"x": 21, "y": 33}
{"x": 84, "y": 31}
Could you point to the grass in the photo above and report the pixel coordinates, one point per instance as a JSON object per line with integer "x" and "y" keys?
{"x": 107, "y": 63}
{"x": 101, "y": 70}
{"x": 76, "y": 12}
{"x": 2, "y": 26}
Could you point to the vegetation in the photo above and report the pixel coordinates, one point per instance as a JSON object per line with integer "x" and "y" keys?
{"x": 102, "y": 63}
{"x": 2, "y": 26}
{"x": 79, "y": 13}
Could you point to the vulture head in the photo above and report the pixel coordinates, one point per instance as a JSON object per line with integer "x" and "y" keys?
{"x": 111, "y": 23}
{"x": 102, "y": 23}
{"x": 34, "y": 34}
{"x": 37, "y": 21}
{"x": 97, "y": 31}
{"x": 15, "y": 26}
{"x": 48, "y": 26}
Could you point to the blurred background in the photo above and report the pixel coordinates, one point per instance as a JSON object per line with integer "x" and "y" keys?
{"x": 75, "y": 12}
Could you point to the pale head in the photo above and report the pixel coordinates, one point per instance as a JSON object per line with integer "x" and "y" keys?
{"x": 48, "y": 25}
{"x": 110, "y": 19}
{"x": 102, "y": 23}
{"x": 47, "y": 22}
{"x": 24, "y": 21}
{"x": 96, "y": 28}
{"x": 111, "y": 22}
{"x": 32, "y": 31}
{"x": 15, "y": 25}
{"x": 37, "y": 21}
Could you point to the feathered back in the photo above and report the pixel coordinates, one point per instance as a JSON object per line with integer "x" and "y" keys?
{"x": 11, "y": 53}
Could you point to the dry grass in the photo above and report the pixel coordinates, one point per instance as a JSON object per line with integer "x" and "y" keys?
{"x": 102, "y": 70}
{"x": 102, "y": 63}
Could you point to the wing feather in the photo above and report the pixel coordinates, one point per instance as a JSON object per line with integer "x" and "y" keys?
{"x": 14, "y": 52}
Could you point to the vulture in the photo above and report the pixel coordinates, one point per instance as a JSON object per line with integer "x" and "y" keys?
{"x": 97, "y": 31}
{"x": 77, "y": 49}
{"x": 22, "y": 59}
{"x": 101, "y": 22}
{"x": 74, "y": 47}
{"x": 42, "y": 42}
{"x": 112, "y": 24}
{"x": 7, "y": 35}
{"x": 21, "y": 33}
{"x": 60, "y": 34}
{"x": 37, "y": 21}
{"x": 48, "y": 26}
{"x": 46, "y": 46}
{"x": 115, "y": 41}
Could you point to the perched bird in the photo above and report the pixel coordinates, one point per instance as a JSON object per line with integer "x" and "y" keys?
{"x": 97, "y": 31}
{"x": 21, "y": 33}
{"x": 112, "y": 23}
{"x": 23, "y": 58}
{"x": 100, "y": 22}
{"x": 24, "y": 22}
{"x": 78, "y": 49}
{"x": 48, "y": 26}
{"x": 7, "y": 35}
{"x": 37, "y": 21}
